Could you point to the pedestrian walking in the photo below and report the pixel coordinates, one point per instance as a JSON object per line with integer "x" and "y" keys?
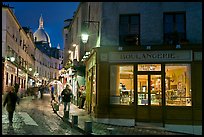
{"x": 16, "y": 86}
{"x": 59, "y": 96}
{"x": 79, "y": 96}
{"x": 83, "y": 97}
{"x": 41, "y": 89}
{"x": 10, "y": 102}
{"x": 66, "y": 97}
{"x": 52, "y": 93}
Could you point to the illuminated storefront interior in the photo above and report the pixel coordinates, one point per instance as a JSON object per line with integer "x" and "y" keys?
{"x": 149, "y": 84}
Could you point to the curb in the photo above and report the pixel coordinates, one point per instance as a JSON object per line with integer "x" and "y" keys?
{"x": 70, "y": 123}
{"x": 84, "y": 133}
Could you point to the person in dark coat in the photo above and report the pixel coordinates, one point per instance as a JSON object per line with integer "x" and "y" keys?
{"x": 10, "y": 102}
{"x": 83, "y": 97}
{"x": 66, "y": 97}
{"x": 16, "y": 86}
{"x": 52, "y": 93}
{"x": 41, "y": 89}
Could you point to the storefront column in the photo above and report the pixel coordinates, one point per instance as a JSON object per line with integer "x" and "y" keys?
{"x": 114, "y": 88}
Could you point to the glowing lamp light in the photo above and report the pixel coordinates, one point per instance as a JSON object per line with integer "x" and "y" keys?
{"x": 30, "y": 69}
{"x": 12, "y": 59}
{"x": 84, "y": 38}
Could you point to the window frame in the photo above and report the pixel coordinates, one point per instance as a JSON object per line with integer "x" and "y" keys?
{"x": 175, "y": 30}
{"x": 121, "y": 36}
{"x": 133, "y": 97}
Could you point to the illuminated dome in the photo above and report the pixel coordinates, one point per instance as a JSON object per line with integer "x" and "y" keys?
{"x": 40, "y": 35}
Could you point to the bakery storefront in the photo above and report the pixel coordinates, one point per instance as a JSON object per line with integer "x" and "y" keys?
{"x": 149, "y": 86}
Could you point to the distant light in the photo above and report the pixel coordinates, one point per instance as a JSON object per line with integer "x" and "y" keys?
{"x": 148, "y": 47}
{"x": 70, "y": 51}
{"x": 12, "y": 59}
{"x": 178, "y": 46}
{"x": 30, "y": 69}
{"x": 87, "y": 53}
{"x": 74, "y": 45}
{"x": 120, "y": 48}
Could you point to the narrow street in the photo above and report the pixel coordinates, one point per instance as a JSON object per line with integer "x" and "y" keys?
{"x": 35, "y": 117}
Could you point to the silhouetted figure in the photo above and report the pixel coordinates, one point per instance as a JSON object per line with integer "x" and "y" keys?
{"x": 41, "y": 89}
{"x": 52, "y": 93}
{"x": 10, "y": 102}
{"x": 66, "y": 97}
{"x": 83, "y": 96}
{"x": 16, "y": 86}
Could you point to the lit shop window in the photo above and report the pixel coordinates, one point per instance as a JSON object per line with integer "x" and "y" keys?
{"x": 149, "y": 85}
{"x": 121, "y": 84}
{"x": 178, "y": 84}
{"x": 142, "y": 85}
{"x": 155, "y": 89}
{"x": 149, "y": 67}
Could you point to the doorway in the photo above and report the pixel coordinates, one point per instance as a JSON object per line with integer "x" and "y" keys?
{"x": 149, "y": 96}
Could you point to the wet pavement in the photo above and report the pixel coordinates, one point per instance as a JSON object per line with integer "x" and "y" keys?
{"x": 35, "y": 117}
{"x": 107, "y": 129}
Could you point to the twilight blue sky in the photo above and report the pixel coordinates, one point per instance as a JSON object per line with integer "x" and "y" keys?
{"x": 53, "y": 13}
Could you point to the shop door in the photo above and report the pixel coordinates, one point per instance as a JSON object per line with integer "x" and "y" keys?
{"x": 149, "y": 97}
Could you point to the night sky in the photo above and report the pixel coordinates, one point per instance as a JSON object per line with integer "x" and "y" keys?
{"x": 53, "y": 13}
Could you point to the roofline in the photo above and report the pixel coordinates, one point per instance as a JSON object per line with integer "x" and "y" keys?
{"x": 75, "y": 15}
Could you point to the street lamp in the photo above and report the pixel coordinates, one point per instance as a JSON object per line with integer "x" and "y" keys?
{"x": 30, "y": 69}
{"x": 85, "y": 36}
{"x": 12, "y": 59}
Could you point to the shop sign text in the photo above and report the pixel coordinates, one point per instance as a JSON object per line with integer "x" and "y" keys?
{"x": 150, "y": 56}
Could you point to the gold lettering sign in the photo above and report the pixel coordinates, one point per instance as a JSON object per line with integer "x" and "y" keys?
{"x": 150, "y": 56}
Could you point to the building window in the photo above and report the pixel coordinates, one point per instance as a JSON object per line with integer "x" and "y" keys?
{"x": 122, "y": 84}
{"x": 55, "y": 75}
{"x": 174, "y": 28}
{"x": 129, "y": 27}
{"x": 11, "y": 79}
{"x": 7, "y": 77}
{"x": 55, "y": 65}
{"x": 15, "y": 79}
{"x": 21, "y": 83}
{"x": 24, "y": 83}
{"x": 178, "y": 84}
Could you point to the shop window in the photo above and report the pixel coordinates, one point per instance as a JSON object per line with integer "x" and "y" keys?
{"x": 121, "y": 84}
{"x": 178, "y": 84}
{"x": 149, "y": 67}
{"x": 142, "y": 82}
{"x": 156, "y": 90}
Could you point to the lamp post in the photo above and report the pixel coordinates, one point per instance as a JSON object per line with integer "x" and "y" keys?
{"x": 85, "y": 36}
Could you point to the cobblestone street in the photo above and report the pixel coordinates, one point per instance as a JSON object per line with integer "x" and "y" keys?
{"x": 35, "y": 117}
